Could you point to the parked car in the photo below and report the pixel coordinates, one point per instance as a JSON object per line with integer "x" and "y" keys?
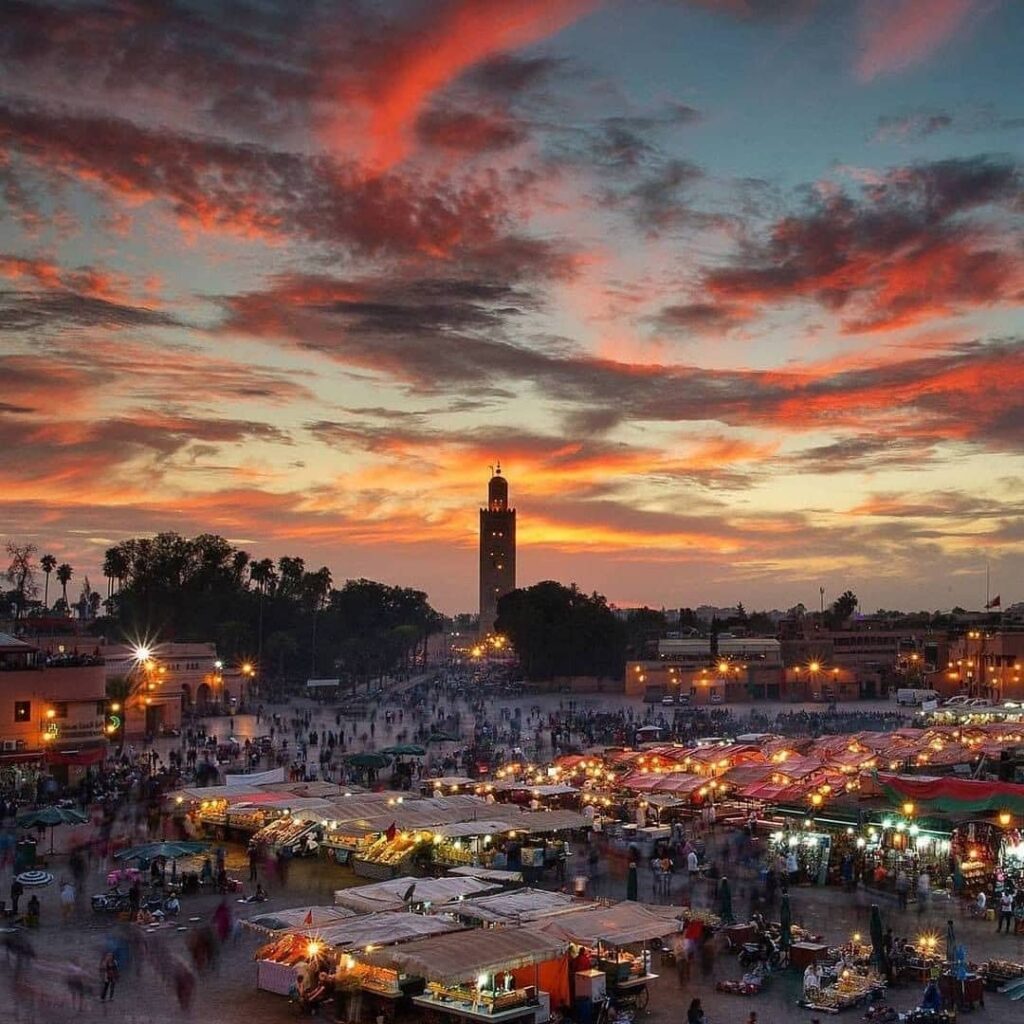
{"x": 956, "y": 702}
{"x": 668, "y": 700}
{"x": 979, "y": 702}
{"x": 716, "y": 698}
{"x": 683, "y": 699}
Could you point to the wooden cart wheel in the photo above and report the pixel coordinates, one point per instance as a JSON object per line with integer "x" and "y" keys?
{"x": 643, "y": 997}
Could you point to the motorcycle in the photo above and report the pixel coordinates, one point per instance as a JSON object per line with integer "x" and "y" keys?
{"x": 112, "y": 902}
{"x": 769, "y": 954}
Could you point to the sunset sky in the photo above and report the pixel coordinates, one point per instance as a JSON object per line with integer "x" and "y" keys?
{"x": 732, "y": 288}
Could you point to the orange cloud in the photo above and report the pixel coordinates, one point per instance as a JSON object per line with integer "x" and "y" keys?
{"x": 454, "y": 36}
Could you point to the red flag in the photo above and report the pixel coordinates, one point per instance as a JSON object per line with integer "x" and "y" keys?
{"x": 391, "y": 832}
{"x": 308, "y": 920}
{"x": 995, "y": 602}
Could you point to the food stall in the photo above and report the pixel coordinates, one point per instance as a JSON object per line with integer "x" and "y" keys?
{"x": 619, "y": 940}
{"x": 852, "y": 986}
{"x": 466, "y": 843}
{"x": 289, "y": 832}
{"x": 389, "y": 855}
{"x": 298, "y": 951}
{"x": 502, "y": 974}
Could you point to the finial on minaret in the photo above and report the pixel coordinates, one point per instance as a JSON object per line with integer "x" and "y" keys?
{"x": 497, "y": 472}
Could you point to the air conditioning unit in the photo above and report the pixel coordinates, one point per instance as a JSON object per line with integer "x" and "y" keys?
{"x": 10, "y": 744}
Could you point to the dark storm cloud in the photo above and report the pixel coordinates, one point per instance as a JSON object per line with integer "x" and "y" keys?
{"x": 471, "y": 131}
{"x": 212, "y": 184}
{"x": 699, "y": 318}
{"x": 57, "y": 310}
{"x": 243, "y": 64}
{"x": 903, "y": 250}
{"x": 509, "y": 75}
{"x": 866, "y": 453}
{"x": 660, "y": 200}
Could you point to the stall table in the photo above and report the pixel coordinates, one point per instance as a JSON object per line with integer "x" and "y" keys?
{"x": 803, "y": 954}
{"x": 466, "y": 1012}
{"x": 965, "y": 995}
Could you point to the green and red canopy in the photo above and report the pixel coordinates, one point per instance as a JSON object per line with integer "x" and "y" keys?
{"x": 954, "y": 796}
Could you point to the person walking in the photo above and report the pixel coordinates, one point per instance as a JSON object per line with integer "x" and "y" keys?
{"x": 902, "y": 889}
{"x": 1005, "y": 913}
{"x": 924, "y": 891}
{"x": 17, "y": 891}
{"x": 109, "y": 973}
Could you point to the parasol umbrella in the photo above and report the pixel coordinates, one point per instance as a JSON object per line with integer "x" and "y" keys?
{"x": 631, "y": 882}
{"x": 368, "y": 760}
{"x": 168, "y": 850}
{"x": 725, "y": 902}
{"x": 786, "y": 922}
{"x": 405, "y": 750}
{"x": 877, "y": 938}
{"x": 51, "y": 817}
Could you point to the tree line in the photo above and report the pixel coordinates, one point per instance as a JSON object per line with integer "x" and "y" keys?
{"x": 286, "y": 617}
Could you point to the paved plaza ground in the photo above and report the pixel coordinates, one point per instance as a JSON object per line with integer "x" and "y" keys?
{"x": 228, "y": 992}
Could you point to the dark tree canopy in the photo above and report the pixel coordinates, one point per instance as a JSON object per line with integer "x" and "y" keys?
{"x": 203, "y": 588}
{"x": 560, "y": 631}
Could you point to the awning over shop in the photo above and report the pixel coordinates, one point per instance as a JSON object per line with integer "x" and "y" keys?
{"x": 515, "y": 907}
{"x": 255, "y": 778}
{"x": 541, "y": 822}
{"x": 82, "y": 756}
{"x": 618, "y": 925}
{"x": 464, "y": 956}
{"x": 951, "y": 795}
{"x": 383, "y": 929}
{"x": 298, "y": 917}
{"x": 392, "y": 894}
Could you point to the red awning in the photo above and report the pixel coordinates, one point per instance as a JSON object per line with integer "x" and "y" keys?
{"x": 83, "y": 756}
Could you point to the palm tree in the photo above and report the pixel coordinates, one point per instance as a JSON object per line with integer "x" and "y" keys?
{"x": 264, "y": 575}
{"x": 47, "y": 563}
{"x": 316, "y": 587}
{"x": 64, "y": 574}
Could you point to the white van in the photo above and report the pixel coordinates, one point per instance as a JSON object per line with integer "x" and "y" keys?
{"x": 911, "y": 696}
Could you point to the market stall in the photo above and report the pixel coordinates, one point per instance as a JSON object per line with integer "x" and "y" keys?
{"x": 501, "y": 974}
{"x": 509, "y": 909}
{"x": 619, "y": 941}
{"x": 849, "y": 987}
{"x": 300, "y": 951}
{"x": 399, "y": 893}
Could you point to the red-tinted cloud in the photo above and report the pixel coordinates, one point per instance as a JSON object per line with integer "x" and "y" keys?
{"x": 896, "y": 34}
{"x": 216, "y": 185}
{"x": 904, "y": 250}
{"x": 401, "y": 74}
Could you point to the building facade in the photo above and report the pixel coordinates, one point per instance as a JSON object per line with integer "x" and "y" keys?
{"x": 497, "y": 550}
{"x": 53, "y": 711}
{"x": 984, "y": 663}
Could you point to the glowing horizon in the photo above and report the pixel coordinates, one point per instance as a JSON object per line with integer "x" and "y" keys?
{"x": 732, "y": 289}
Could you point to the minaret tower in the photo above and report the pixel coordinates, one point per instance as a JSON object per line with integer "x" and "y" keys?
{"x": 497, "y": 550}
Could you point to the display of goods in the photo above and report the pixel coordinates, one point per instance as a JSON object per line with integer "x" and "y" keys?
{"x": 385, "y": 851}
{"x": 1004, "y": 970}
{"x": 706, "y": 918}
{"x": 744, "y": 987}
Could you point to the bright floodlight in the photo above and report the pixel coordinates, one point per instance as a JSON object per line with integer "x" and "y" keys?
{"x": 142, "y": 653}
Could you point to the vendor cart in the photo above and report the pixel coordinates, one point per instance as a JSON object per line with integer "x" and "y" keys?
{"x": 631, "y": 993}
